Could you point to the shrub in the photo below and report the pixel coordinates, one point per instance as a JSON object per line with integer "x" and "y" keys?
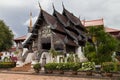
{"x": 67, "y": 66}
{"x": 108, "y": 66}
{"x": 71, "y": 66}
{"x": 116, "y": 67}
{"x": 87, "y": 66}
{"x": 60, "y": 66}
{"x": 37, "y": 66}
{"x": 51, "y": 66}
{"x": 7, "y": 64}
{"x": 74, "y": 66}
{"x": 7, "y": 59}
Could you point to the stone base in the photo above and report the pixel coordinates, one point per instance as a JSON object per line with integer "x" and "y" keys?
{"x": 19, "y": 64}
{"x": 33, "y": 62}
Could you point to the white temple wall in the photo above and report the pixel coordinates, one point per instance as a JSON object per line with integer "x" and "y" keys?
{"x": 81, "y": 54}
{"x": 48, "y": 57}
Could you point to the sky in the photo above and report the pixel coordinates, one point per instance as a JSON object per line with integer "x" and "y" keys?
{"x": 16, "y": 13}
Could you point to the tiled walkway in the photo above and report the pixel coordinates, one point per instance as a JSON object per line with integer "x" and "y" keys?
{"x": 6, "y": 76}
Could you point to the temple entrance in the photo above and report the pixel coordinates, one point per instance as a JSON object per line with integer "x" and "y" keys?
{"x": 46, "y": 46}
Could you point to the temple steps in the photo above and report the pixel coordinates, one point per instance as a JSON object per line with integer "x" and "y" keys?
{"x": 24, "y": 68}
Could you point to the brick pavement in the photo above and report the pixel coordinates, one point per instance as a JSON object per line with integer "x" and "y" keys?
{"x": 6, "y": 76}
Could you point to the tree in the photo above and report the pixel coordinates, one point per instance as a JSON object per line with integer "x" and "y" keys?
{"x": 6, "y": 37}
{"x": 103, "y": 45}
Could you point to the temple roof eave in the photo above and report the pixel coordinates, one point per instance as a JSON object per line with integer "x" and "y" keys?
{"x": 76, "y": 21}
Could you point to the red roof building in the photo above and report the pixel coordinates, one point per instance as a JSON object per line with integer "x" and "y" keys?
{"x": 93, "y": 22}
{"x": 20, "y": 39}
{"x": 112, "y": 31}
{"x": 100, "y": 22}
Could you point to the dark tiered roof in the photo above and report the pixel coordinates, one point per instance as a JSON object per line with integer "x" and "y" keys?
{"x": 66, "y": 26}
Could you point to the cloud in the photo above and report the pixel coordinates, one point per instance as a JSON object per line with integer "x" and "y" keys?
{"x": 44, "y": 4}
{"x": 16, "y": 12}
{"x": 27, "y": 22}
{"x": 16, "y": 3}
{"x": 9, "y": 3}
{"x": 14, "y": 32}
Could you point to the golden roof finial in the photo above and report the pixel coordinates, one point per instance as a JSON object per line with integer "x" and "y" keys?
{"x": 30, "y": 25}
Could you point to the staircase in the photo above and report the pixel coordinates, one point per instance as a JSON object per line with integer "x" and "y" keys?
{"x": 25, "y": 55}
{"x": 24, "y": 68}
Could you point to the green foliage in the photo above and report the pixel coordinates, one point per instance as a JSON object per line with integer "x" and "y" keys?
{"x": 118, "y": 48}
{"x": 70, "y": 58}
{"x": 67, "y": 66}
{"x": 7, "y": 64}
{"x": 87, "y": 66}
{"x": 53, "y": 52}
{"x": 117, "y": 67}
{"x": 6, "y": 37}
{"x": 7, "y": 59}
{"x": 111, "y": 67}
{"x": 73, "y": 57}
{"x": 74, "y": 66}
{"x": 103, "y": 46}
{"x": 63, "y": 66}
{"x": 37, "y": 66}
{"x": 108, "y": 66}
{"x": 60, "y": 66}
{"x": 51, "y": 66}
{"x": 77, "y": 59}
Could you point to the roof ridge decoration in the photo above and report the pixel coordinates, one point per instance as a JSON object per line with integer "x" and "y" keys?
{"x": 76, "y": 21}
{"x": 64, "y": 21}
{"x": 30, "y": 22}
{"x": 39, "y": 5}
{"x": 63, "y": 6}
{"x": 61, "y": 18}
{"x": 53, "y": 6}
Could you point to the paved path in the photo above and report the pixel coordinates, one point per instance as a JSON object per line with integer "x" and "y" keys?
{"x": 7, "y": 76}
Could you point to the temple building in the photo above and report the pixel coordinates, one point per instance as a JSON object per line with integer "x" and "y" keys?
{"x": 62, "y": 32}
{"x": 86, "y": 23}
